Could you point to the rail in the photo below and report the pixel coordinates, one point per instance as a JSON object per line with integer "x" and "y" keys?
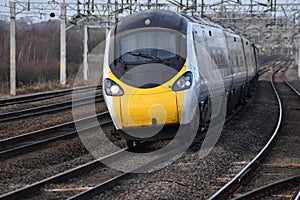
{"x": 225, "y": 191}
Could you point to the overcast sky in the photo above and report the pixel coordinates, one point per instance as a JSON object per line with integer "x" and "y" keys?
{"x": 4, "y": 6}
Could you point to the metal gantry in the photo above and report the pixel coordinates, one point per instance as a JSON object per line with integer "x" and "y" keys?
{"x": 269, "y": 24}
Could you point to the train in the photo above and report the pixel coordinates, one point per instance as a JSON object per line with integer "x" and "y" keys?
{"x": 154, "y": 72}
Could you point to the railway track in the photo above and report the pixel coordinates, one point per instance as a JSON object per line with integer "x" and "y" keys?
{"x": 289, "y": 84}
{"x": 268, "y": 189}
{"x": 256, "y": 171}
{"x": 267, "y": 65}
{"x": 45, "y": 187}
{"x": 25, "y": 191}
{"x": 51, "y": 108}
{"x": 95, "y": 190}
{"x": 101, "y": 187}
{"x": 65, "y": 186}
{"x": 32, "y": 141}
{"x": 45, "y": 95}
{"x": 86, "y": 171}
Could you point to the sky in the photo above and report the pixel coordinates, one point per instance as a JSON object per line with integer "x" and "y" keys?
{"x": 43, "y": 15}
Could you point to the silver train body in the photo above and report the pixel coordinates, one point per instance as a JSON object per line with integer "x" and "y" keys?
{"x": 160, "y": 66}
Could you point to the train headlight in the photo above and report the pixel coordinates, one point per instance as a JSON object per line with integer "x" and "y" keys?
{"x": 183, "y": 82}
{"x": 112, "y": 89}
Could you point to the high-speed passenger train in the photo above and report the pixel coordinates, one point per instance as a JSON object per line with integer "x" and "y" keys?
{"x": 152, "y": 71}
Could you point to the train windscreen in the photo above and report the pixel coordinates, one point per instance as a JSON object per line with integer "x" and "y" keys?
{"x": 146, "y": 59}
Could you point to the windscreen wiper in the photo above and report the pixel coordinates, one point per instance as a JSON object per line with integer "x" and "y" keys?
{"x": 145, "y": 55}
{"x": 123, "y": 63}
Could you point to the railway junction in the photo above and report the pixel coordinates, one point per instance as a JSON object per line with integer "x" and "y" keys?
{"x": 43, "y": 155}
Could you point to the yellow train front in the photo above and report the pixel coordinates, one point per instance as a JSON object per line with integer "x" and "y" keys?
{"x": 147, "y": 82}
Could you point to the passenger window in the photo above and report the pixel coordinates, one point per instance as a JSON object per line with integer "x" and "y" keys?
{"x": 218, "y": 54}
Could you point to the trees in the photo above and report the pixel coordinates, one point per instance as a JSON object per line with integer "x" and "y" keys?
{"x": 37, "y": 52}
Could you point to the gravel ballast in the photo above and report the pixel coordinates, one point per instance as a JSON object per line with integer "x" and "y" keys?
{"x": 189, "y": 177}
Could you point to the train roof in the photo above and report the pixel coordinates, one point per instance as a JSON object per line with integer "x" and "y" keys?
{"x": 198, "y": 20}
{"x": 164, "y": 19}
{"x": 201, "y": 21}
{"x": 152, "y": 18}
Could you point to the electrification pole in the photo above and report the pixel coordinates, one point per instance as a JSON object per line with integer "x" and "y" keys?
{"x": 63, "y": 45}
{"x": 85, "y": 54}
{"x": 298, "y": 57}
{"x": 12, "y": 48}
{"x": 202, "y": 8}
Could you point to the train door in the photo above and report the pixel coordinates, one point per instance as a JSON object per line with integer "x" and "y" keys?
{"x": 237, "y": 62}
{"x": 213, "y": 54}
{"x": 217, "y": 48}
{"x": 255, "y": 53}
{"x": 250, "y": 66}
{"x": 200, "y": 51}
{"x": 246, "y": 61}
{"x": 249, "y": 60}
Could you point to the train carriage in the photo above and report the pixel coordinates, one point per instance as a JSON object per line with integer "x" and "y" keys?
{"x": 150, "y": 76}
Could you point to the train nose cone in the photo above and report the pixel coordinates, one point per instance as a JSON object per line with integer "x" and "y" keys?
{"x": 158, "y": 113}
{"x": 158, "y": 107}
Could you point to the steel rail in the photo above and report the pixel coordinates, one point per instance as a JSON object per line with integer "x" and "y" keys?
{"x": 125, "y": 175}
{"x": 30, "y": 146}
{"x": 297, "y": 197}
{"x": 115, "y": 180}
{"x": 45, "y": 95}
{"x": 22, "y": 192}
{"x": 42, "y": 132}
{"x": 256, "y": 194}
{"x": 290, "y": 85}
{"x": 20, "y": 114}
{"x": 111, "y": 182}
{"x": 265, "y": 69}
{"x": 225, "y": 191}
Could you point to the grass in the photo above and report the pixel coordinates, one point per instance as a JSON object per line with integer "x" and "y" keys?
{"x": 32, "y": 88}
